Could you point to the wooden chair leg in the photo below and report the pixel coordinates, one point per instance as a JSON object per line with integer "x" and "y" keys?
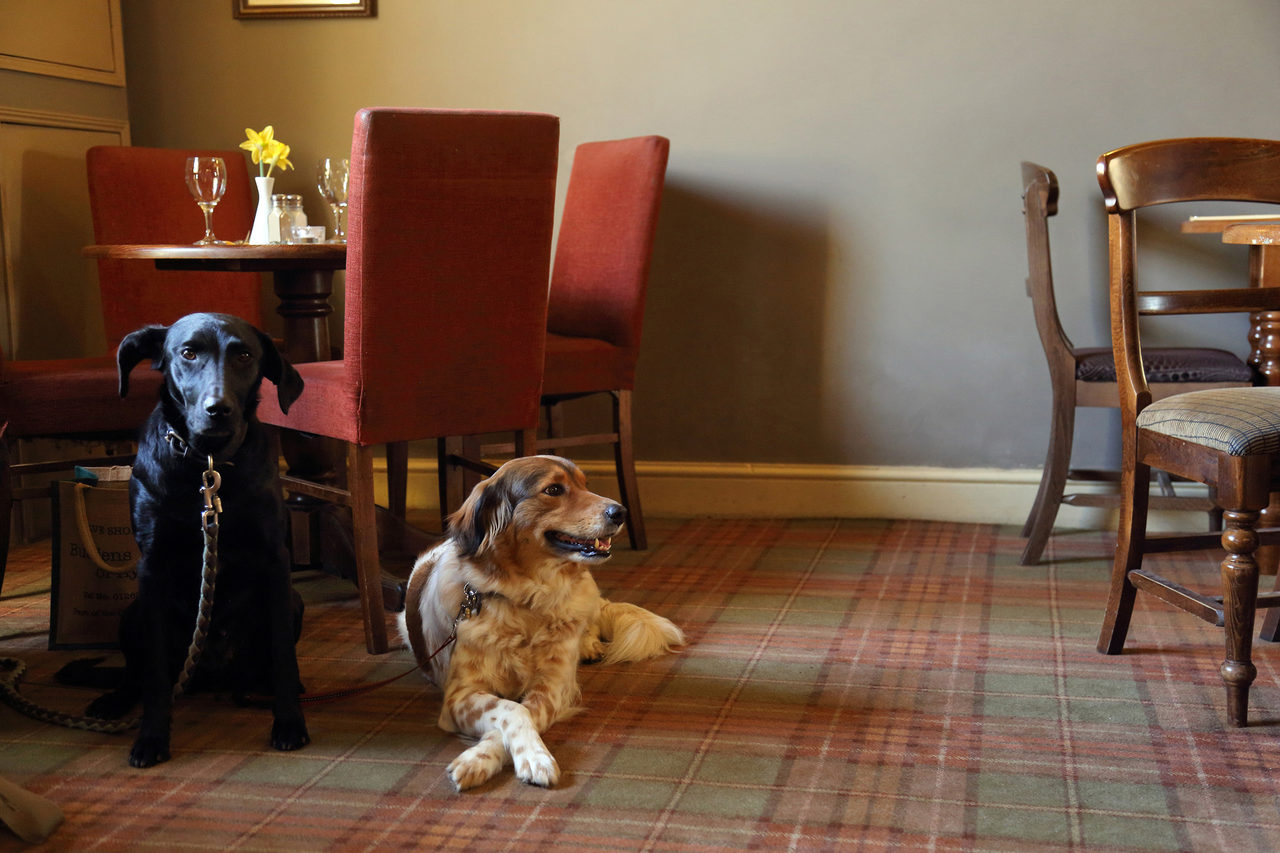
{"x": 364, "y": 523}
{"x": 1239, "y": 604}
{"x": 625, "y": 462}
{"x": 1271, "y": 622}
{"x": 1215, "y": 515}
{"x": 1053, "y": 481}
{"x": 1131, "y": 536}
{"x": 468, "y": 477}
{"x": 449, "y": 483}
{"x": 555, "y": 426}
{"x": 526, "y": 442}
{"x": 6, "y": 504}
{"x": 398, "y": 478}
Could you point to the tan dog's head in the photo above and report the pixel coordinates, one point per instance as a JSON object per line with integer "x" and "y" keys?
{"x": 537, "y": 507}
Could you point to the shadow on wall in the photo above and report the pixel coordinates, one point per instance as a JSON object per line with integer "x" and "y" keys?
{"x": 731, "y": 358}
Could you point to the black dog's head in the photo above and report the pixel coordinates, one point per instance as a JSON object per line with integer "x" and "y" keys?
{"x": 213, "y": 365}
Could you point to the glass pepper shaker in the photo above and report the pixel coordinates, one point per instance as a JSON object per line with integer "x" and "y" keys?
{"x": 287, "y": 213}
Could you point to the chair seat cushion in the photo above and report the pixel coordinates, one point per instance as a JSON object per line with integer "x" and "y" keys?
{"x": 73, "y": 397}
{"x": 1237, "y": 421}
{"x": 581, "y": 365}
{"x": 327, "y": 405}
{"x": 1181, "y": 364}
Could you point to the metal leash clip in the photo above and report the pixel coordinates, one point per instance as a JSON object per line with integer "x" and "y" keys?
{"x": 211, "y": 482}
{"x": 471, "y": 599}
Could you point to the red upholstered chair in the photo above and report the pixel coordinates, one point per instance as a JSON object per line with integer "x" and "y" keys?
{"x": 62, "y": 398}
{"x": 598, "y": 286}
{"x": 138, "y": 195}
{"x": 597, "y": 297}
{"x": 448, "y": 250}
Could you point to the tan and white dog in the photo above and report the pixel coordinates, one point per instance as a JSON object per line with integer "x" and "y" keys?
{"x": 513, "y": 580}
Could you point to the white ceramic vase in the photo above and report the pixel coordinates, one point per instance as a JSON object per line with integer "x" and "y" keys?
{"x": 262, "y": 219}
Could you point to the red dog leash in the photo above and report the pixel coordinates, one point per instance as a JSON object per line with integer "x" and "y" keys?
{"x": 471, "y": 599}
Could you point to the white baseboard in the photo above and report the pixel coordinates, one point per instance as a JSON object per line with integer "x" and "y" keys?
{"x": 726, "y": 489}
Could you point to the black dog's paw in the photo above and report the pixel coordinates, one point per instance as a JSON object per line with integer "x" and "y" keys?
{"x": 81, "y": 673}
{"x": 111, "y": 706}
{"x": 288, "y": 735}
{"x": 149, "y": 750}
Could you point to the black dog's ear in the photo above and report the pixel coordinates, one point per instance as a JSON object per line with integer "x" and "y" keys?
{"x": 278, "y": 369}
{"x": 147, "y": 342}
{"x": 482, "y": 517}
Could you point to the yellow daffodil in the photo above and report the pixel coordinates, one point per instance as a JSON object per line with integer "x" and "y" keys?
{"x": 279, "y": 157}
{"x": 267, "y": 151}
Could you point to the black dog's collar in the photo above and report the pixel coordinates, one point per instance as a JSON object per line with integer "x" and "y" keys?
{"x": 176, "y": 443}
{"x": 179, "y": 445}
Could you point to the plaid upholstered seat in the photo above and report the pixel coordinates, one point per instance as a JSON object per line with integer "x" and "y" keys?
{"x": 1238, "y": 421}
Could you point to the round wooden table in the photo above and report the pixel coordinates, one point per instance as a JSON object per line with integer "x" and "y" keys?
{"x": 302, "y": 276}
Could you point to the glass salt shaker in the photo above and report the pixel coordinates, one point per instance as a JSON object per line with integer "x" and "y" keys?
{"x": 287, "y": 212}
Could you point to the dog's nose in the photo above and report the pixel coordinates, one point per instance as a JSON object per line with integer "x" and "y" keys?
{"x": 616, "y": 513}
{"x": 217, "y": 407}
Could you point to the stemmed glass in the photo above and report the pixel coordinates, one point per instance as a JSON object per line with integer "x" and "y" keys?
{"x": 331, "y": 180}
{"x": 207, "y": 181}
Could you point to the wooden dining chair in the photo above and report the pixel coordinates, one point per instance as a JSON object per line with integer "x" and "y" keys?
{"x": 1086, "y": 377}
{"x": 450, "y": 216}
{"x": 139, "y": 195}
{"x": 1228, "y": 439}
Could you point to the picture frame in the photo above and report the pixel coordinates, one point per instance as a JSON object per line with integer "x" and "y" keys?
{"x": 253, "y": 9}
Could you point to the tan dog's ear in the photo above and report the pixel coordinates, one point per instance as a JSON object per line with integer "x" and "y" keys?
{"x": 483, "y": 516}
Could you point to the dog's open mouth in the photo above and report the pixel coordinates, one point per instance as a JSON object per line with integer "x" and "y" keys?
{"x": 590, "y": 548}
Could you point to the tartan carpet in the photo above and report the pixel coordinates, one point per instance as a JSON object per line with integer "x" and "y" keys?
{"x": 848, "y": 685}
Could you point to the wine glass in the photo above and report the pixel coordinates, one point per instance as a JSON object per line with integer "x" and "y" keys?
{"x": 207, "y": 181}
{"x": 331, "y": 180}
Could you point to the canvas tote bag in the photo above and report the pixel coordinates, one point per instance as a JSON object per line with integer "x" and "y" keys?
{"x": 95, "y": 559}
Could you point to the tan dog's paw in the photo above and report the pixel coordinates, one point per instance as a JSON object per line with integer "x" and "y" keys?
{"x": 591, "y": 649}
{"x": 536, "y": 766}
{"x": 475, "y": 766}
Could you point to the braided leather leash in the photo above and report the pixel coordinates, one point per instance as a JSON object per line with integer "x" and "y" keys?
{"x": 12, "y": 669}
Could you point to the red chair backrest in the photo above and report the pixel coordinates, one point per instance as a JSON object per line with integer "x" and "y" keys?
{"x": 606, "y": 240}
{"x": 139, "y": 195}
{"x": 450, "y": 220}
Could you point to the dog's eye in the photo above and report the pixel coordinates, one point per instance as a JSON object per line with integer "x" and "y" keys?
{"x": 188, "y": 353}
{"x": 555, "y": 490}
{"x": 244, "y": 356}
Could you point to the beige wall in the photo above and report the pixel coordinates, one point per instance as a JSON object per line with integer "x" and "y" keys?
{"x": 838, "y": 277}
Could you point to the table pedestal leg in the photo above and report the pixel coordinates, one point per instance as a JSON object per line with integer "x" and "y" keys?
{"x": 304, "y": 306}
{"x": 1264, "y": 335}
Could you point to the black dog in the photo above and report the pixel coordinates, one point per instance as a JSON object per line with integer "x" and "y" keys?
{"x": 212, "y": 365}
